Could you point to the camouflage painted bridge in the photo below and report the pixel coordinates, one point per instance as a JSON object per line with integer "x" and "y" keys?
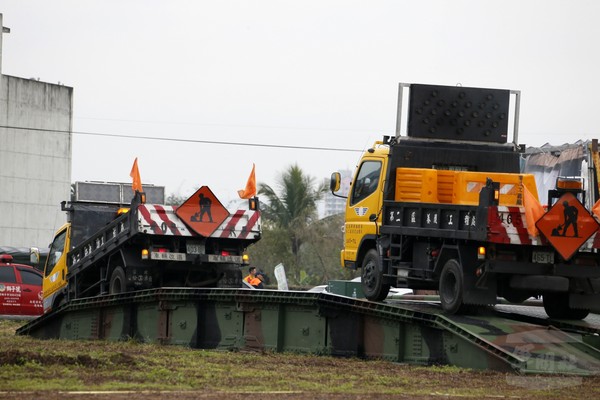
{"x": 323, "y": 323}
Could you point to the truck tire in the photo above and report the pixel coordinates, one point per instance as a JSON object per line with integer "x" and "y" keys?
{"x": 557, "y": 306}
{"x": 451, "y": 287}
{"x": 372, "y": 278}
{"x": 118, "y": 282}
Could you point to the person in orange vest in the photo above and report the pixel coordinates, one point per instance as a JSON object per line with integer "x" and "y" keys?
{"x": 252, "y": 279}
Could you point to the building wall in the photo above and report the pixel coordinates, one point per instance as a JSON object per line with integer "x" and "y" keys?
{"x": 35, "y": 159}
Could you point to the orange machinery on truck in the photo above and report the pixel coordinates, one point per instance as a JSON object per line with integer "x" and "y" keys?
{"x": 445, "y": 207}
{"x": 109, "y": 248}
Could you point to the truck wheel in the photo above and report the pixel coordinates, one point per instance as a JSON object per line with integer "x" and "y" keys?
{"x": 117, "y": 281}
{"x": 451, "y": 287}
{"x": 372, "y": 278}
{"x": 557, "y": 306}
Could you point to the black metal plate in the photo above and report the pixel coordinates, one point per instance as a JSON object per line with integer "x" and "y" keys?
{"x": 458, "y": 113}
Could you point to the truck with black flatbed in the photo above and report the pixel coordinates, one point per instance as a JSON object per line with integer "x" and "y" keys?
{"x": 446, "y": 208}
{"x": 109, "y": 248}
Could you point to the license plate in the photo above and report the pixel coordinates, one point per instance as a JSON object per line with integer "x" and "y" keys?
{"x": 155, "y": 255}
{"x": 403, "y": 273}
{"x": 193, "y": 248}
{"x": 543, "y": 257}
{"x": 224, "y": 259}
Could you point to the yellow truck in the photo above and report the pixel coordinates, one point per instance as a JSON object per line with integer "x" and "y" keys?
{"x": 110, "y": 248}
{"x": 445, "y": 207}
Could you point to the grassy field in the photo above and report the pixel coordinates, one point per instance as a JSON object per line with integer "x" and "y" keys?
{"x": 31, "y": 368}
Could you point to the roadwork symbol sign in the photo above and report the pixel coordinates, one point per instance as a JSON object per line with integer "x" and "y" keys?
{"x": 202, "y": 212}
{"x": 567, "y": 225}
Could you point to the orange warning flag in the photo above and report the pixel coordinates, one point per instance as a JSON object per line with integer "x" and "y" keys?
{"x": 596, "y": 209}
{"x": 250, "y": 189}
{"x": 533, "y": 211}
{"x": 135, "y": 175}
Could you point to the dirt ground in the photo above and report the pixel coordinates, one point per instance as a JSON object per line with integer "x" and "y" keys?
{"x": 210, "y": 396}
{"x": 274, "y": 395}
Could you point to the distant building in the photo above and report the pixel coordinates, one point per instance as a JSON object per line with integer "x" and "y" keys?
{"x": 331, "y": 204}
{"x": 36, "y": 120}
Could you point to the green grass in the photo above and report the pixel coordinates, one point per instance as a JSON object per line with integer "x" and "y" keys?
{"x": 28, "y": 364}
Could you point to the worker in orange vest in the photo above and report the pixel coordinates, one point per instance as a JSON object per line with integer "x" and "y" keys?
{"x": 252, "y": 279}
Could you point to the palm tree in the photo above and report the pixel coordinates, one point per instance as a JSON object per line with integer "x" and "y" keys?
{"x": 296, "y": 205}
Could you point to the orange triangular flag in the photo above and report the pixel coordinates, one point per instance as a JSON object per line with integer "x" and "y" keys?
{"x": 250, "y": 189}
{"x": 533, "y": 211}
{"x": 135, "y": 174}
{"x": 596, "y": 209}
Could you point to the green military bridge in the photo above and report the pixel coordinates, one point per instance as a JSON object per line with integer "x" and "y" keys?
{"x": 414, "y": 332}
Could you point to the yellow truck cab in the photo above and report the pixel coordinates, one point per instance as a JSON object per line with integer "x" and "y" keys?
{"x": 55, "y": 270}
{"x": 363, "y": 211}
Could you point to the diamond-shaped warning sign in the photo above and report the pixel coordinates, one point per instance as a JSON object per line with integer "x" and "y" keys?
{"x": 567, "y": 225}
{"x": 202, "y": 212}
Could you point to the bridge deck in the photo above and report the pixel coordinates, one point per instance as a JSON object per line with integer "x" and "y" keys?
{"x": 322, "y": 323}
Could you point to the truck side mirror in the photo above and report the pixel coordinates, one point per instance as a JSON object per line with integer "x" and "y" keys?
{"x": 335, "y": 182}
{"x": 34, "y": 255}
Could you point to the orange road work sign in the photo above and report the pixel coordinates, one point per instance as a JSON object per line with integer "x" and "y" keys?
{"x": 202, "y": 212}
{"x": 567, "y": 225}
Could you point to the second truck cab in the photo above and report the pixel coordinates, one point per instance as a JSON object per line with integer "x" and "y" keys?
{"x": 363, "y": 214}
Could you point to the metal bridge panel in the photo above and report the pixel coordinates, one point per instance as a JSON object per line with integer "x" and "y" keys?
{"x": 81, "y": 325}
{"x": 382, "y": 338}
{"x": 116, "y": 323}
{"x": 345, "y": 332}
{"x": 150, "y": 323}
{"x": 182, "y": 324}
{"x": 220, "y": 325}
{"x": 525, "y": 346}
{"x": 304, "y": 330}
{"x": 422, "y": 345}
{"x": 461, "y": 352}
{"x": 263, "y": 328}
{"x": 553, "y": 351}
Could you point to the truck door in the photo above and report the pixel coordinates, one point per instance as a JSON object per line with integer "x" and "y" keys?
{"x": 364, "y": 202}
{"x": 10, "y": 292}
{"x": 55, "y": 271}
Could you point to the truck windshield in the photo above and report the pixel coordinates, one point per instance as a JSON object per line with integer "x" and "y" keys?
{"x": 366, "y": 180}
{"x": 56, "y": 250}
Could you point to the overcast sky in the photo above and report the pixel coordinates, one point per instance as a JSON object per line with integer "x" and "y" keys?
{"x": 293, "y": 73}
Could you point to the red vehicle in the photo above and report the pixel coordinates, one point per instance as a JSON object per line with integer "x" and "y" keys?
{"x": 20, "y": 289}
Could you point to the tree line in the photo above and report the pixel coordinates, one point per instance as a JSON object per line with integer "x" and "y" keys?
{"x": 293, "y": 235}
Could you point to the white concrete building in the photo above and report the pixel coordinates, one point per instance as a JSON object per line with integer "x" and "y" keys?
{"x": 36, "y": 120}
